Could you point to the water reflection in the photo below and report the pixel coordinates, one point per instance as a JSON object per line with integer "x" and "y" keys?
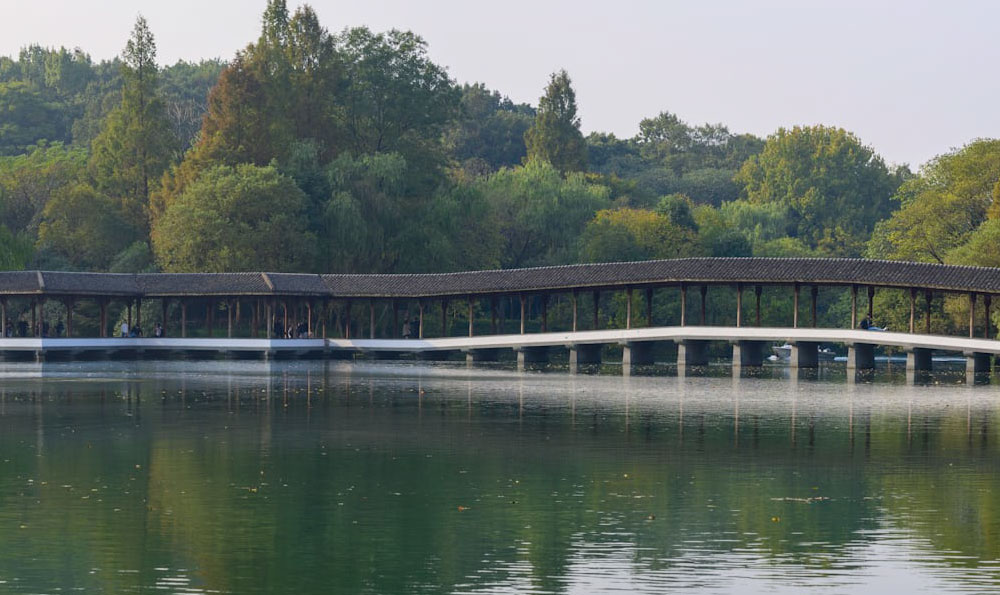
{"x": 250, "y": 477}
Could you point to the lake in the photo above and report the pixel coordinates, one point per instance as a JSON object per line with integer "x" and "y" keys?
{"x": 338, "y": 477}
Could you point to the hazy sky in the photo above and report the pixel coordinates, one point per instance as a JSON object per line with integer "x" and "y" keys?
{"x": 911, "y": 78}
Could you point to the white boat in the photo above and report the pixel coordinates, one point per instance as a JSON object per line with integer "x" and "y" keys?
{"x": 784, "y": 353}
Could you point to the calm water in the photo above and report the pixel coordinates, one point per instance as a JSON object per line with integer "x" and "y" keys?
{"x": 246, "y": 478}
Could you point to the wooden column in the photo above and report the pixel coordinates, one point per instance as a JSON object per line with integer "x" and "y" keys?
{"x": 493, "y": 315}
{"x": 371, "y": 319}
{"x": 184, "y": 318}
{"x": 309, "y": 318}
{"x": 739, "y": 304}
{"x": 573, "y": 302}
{"x": 347, "y": 319}
{"x": 420, "y": 310}
{"x": 163, "y": 315}
{"x": 913, "y": 309}
{"x": 395, "y": 320}
{"x": 972, "y": 315}
{"x": 545, "y": 312}
{"x": 628, "y": 308}
{"x": 704, "y": 305}
{"x": 597, "y": 309}
{"x": 284, "y": 319}
{"x": 210, "y": 318}
{"x": 129, "y": 320}
{"x": 524, "y": 306}
{"x": 814, "y": 292}
{"x": 871, "y": 303}
{"x": 987, "y": 303}
{"x": 229, "y": 319}
{"x": 33, "y": 331}
{"x": 3, "y": 317}
{"x": 795, "y": 307}
{"x": 325, "y": 313}
{"x": 41, "y": 317}
{"x": 268, "y": 320}
{"x": 253, "y": 321}
{"x": 444, "y": 318}
{"x": 70, "y": 305}
{"x": 684, "y": 295}
{"x": 757, "y": 291}
{"x": 928, "y": 296}
{"x": 138, "y": 312}
{"x": 471, "y": 303}
{"x": 854, "y": 306}
{"x": 649, "y": 306}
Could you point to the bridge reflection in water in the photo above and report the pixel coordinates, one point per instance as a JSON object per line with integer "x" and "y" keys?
{"x": 320, "y": 311}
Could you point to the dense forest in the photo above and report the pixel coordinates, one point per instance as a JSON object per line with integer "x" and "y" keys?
{"x": 353, "y": 152}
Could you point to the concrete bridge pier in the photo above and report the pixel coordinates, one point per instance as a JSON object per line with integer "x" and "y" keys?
{"x": 860, "y": 356}
{"x": 481, "y": 355}
{"x": 531, "y": 355}
{"x": 977, "y": 368}
{"x": 691, "y": 353}
{"x": 805, "y": 354}
{"x": 585, "y": 353}
{"x": 636, "y": 354}
{"x": 918, "y": 362}
{"x": 748, "y": 354}
{"x": 434, "y": 355}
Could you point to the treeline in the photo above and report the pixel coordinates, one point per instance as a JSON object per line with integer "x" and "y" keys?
{"x": 354, "y": 152}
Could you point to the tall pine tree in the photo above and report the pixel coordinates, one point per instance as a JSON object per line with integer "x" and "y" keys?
{"x": 136, "y": 144}
{"x": 555, "y": 136}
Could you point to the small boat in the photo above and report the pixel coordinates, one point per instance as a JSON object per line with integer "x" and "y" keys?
{"x": 784, "y": 353}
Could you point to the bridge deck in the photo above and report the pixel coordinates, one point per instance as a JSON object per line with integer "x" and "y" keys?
{"x": 905, "y": 341}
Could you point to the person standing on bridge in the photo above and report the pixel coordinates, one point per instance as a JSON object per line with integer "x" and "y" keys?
{"x": 124, "y": 330}
{"x": 406, "y": 327}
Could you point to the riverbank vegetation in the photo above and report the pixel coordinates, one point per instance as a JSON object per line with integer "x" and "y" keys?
{"x": 353, "y": 151}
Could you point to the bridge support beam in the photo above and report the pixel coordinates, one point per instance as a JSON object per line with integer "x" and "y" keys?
{"x": 918, "y": 361}
{"x": 977, "y": 368}
{"x": 748, "y": 354}
{"x": 481, "y": 355}
{"x": 435, "y": 355}
{"x": 691, "y": 353}
{"x": 860, "y": 356}
{"x": 636, "y": 354}
{"x": 805, "y": 354}
{"x": 589, "y": 353}
{"x": 531, "y": 355}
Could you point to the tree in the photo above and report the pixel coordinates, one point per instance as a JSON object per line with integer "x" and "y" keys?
{"x": 836, "y": 189}
{"x": 84, "y": 227}
{"x": 242, "y": 218}
{"x": 28, "y": 181}
{"x": 942, "y": 207}
{"x": 27, "y": 118}
{"x": 618, "y": 235}
{"x": 136, "y": 144}
{"x": 555, "y": 136}
{"x": 539, "y": 213}
{"x": 489, "y": 132}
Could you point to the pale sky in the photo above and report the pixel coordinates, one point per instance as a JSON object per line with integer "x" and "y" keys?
{"x": 911, "y": 78}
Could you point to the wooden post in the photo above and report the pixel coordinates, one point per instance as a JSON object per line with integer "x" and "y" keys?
{"x": 524, "y": 306}
{"x": 210, "y": 317}
{"x": 795, "y": 307}
{"x": 573, "y": 302}
{"x": 325, "y": 313}
{"x": 395, "y": 320}
{"x": 470, "y": 315}
{"x": 684, "y": 295}
{"x": 309, "y": 318}
{"x": 3, "y": 317}
{"x": 493, "y": 315}
{"x": 420, "y": 309}
{"x": 253, "y": 320}
{"x": 704, "y": 304}
{"x": 184, "y": 319}
{"x": 545, "y": 312}
{"x": 371, "y": 319}
{"x": 129, "y": 320}
{"x": 163, "y": 315}
{"x": 34, "y": 319}
{"x": 928, "y": 296}
{"x": 814, "y": 291}
{"x": 229, "y": 319}
{"x": 972, "y": 315}
{"x": 444, "y": 318}
{"x": 871, "y": 303}
{"x": 757, "y": 291}
{"x": 70, "y": 304}
{"x": 628, "y": 308}
{"x": 347, "y": 319}
{"x": 41, "y": 317}
{"x": 854, "y": 306}
{"x": 739, "y": 304}
{"x": 597, "y": 306}
{"x": 913, "y": 309}
{"x": 649, "y": 306}
{"x": 284, "y": 319}
{"x": 138, "y": 312}
{"x": 987, "y": 299}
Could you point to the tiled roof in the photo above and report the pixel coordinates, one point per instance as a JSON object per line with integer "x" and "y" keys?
{"x": 558, "y": 278}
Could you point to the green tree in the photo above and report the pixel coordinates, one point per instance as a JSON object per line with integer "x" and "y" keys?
{"x": 84, "y": 228}
{"x": 28, "y": 181}
{"x": 835, "y": 188}
{"x": 242, "y": 218}
{"x": 137, "y": 143}
{"x": 555, "y": 136}
{"x": 15, "y": 250}
{"x": 27, "y": 118}
{"x": 942, "y": 207}
{"x": 626, "y": 234}
{"x": 489, "y": 132}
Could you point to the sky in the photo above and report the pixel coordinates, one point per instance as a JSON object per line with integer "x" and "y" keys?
{"x": 913, "y": 79}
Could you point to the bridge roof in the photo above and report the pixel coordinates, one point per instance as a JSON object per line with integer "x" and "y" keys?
{"x": 711, "y": 271}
